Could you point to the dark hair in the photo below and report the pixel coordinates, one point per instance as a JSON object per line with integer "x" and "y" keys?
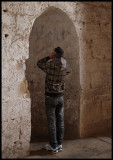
{"x": 59, "y": 51}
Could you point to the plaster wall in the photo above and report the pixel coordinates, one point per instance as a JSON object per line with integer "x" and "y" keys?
{"x": 53, "y": 28}
{"x": 95, "y": 70}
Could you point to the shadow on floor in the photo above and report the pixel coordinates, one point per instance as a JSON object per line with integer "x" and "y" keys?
{"x": 40, "y": 152}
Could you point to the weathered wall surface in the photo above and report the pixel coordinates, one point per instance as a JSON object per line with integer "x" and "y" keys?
{"x": 17, "y": 22}
{"x": 95, "y": 70}
{"x": 92, "y": 21}
{"x": 53, "y": 28}
{"x": 16, "y": 115}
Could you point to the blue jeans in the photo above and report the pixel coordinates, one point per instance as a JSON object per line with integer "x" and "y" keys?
{"x": 55, "y": 118}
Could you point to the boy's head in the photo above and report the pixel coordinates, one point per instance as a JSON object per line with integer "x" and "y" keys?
{"x": 59, "y": 52}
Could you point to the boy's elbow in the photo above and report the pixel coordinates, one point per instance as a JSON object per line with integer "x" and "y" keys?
{"x": 38, "y": 64}
{"x": 68, "y": 73}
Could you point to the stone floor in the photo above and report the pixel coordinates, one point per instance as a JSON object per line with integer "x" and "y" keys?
{"x": 94, "y": 147}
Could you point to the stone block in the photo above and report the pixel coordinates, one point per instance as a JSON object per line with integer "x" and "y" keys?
{"x": 16, "y": 128}
{"x": 10, "y": 107}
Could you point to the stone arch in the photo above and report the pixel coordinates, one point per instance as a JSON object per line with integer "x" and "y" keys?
{"x": 53, "y": 28}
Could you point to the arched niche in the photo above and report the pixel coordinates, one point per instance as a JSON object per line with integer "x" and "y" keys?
{"x": 53, "y": 28}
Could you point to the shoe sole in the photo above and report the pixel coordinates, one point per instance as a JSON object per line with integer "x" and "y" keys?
{"x": 54, "y": 152}
{"x": 59, "y": 150}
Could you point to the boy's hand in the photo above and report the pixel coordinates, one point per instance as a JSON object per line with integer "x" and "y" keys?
{"x": 52, "y": 54}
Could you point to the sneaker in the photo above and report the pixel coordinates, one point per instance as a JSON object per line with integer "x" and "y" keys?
{"x": 60, "y": 148}
{"x": 49, "y": 148}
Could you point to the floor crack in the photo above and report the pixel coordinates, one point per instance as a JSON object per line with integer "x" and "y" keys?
{"x": 102, "y": 140}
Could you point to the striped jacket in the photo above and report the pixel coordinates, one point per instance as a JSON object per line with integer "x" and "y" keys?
{"x": 55, "y": 75}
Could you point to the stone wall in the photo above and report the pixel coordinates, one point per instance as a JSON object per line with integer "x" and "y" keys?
{"x": 16, "y": 115}
{"x": 95, "y": 70}
{"x": 92, "y": 21}
{"x": 53, "y": 28}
